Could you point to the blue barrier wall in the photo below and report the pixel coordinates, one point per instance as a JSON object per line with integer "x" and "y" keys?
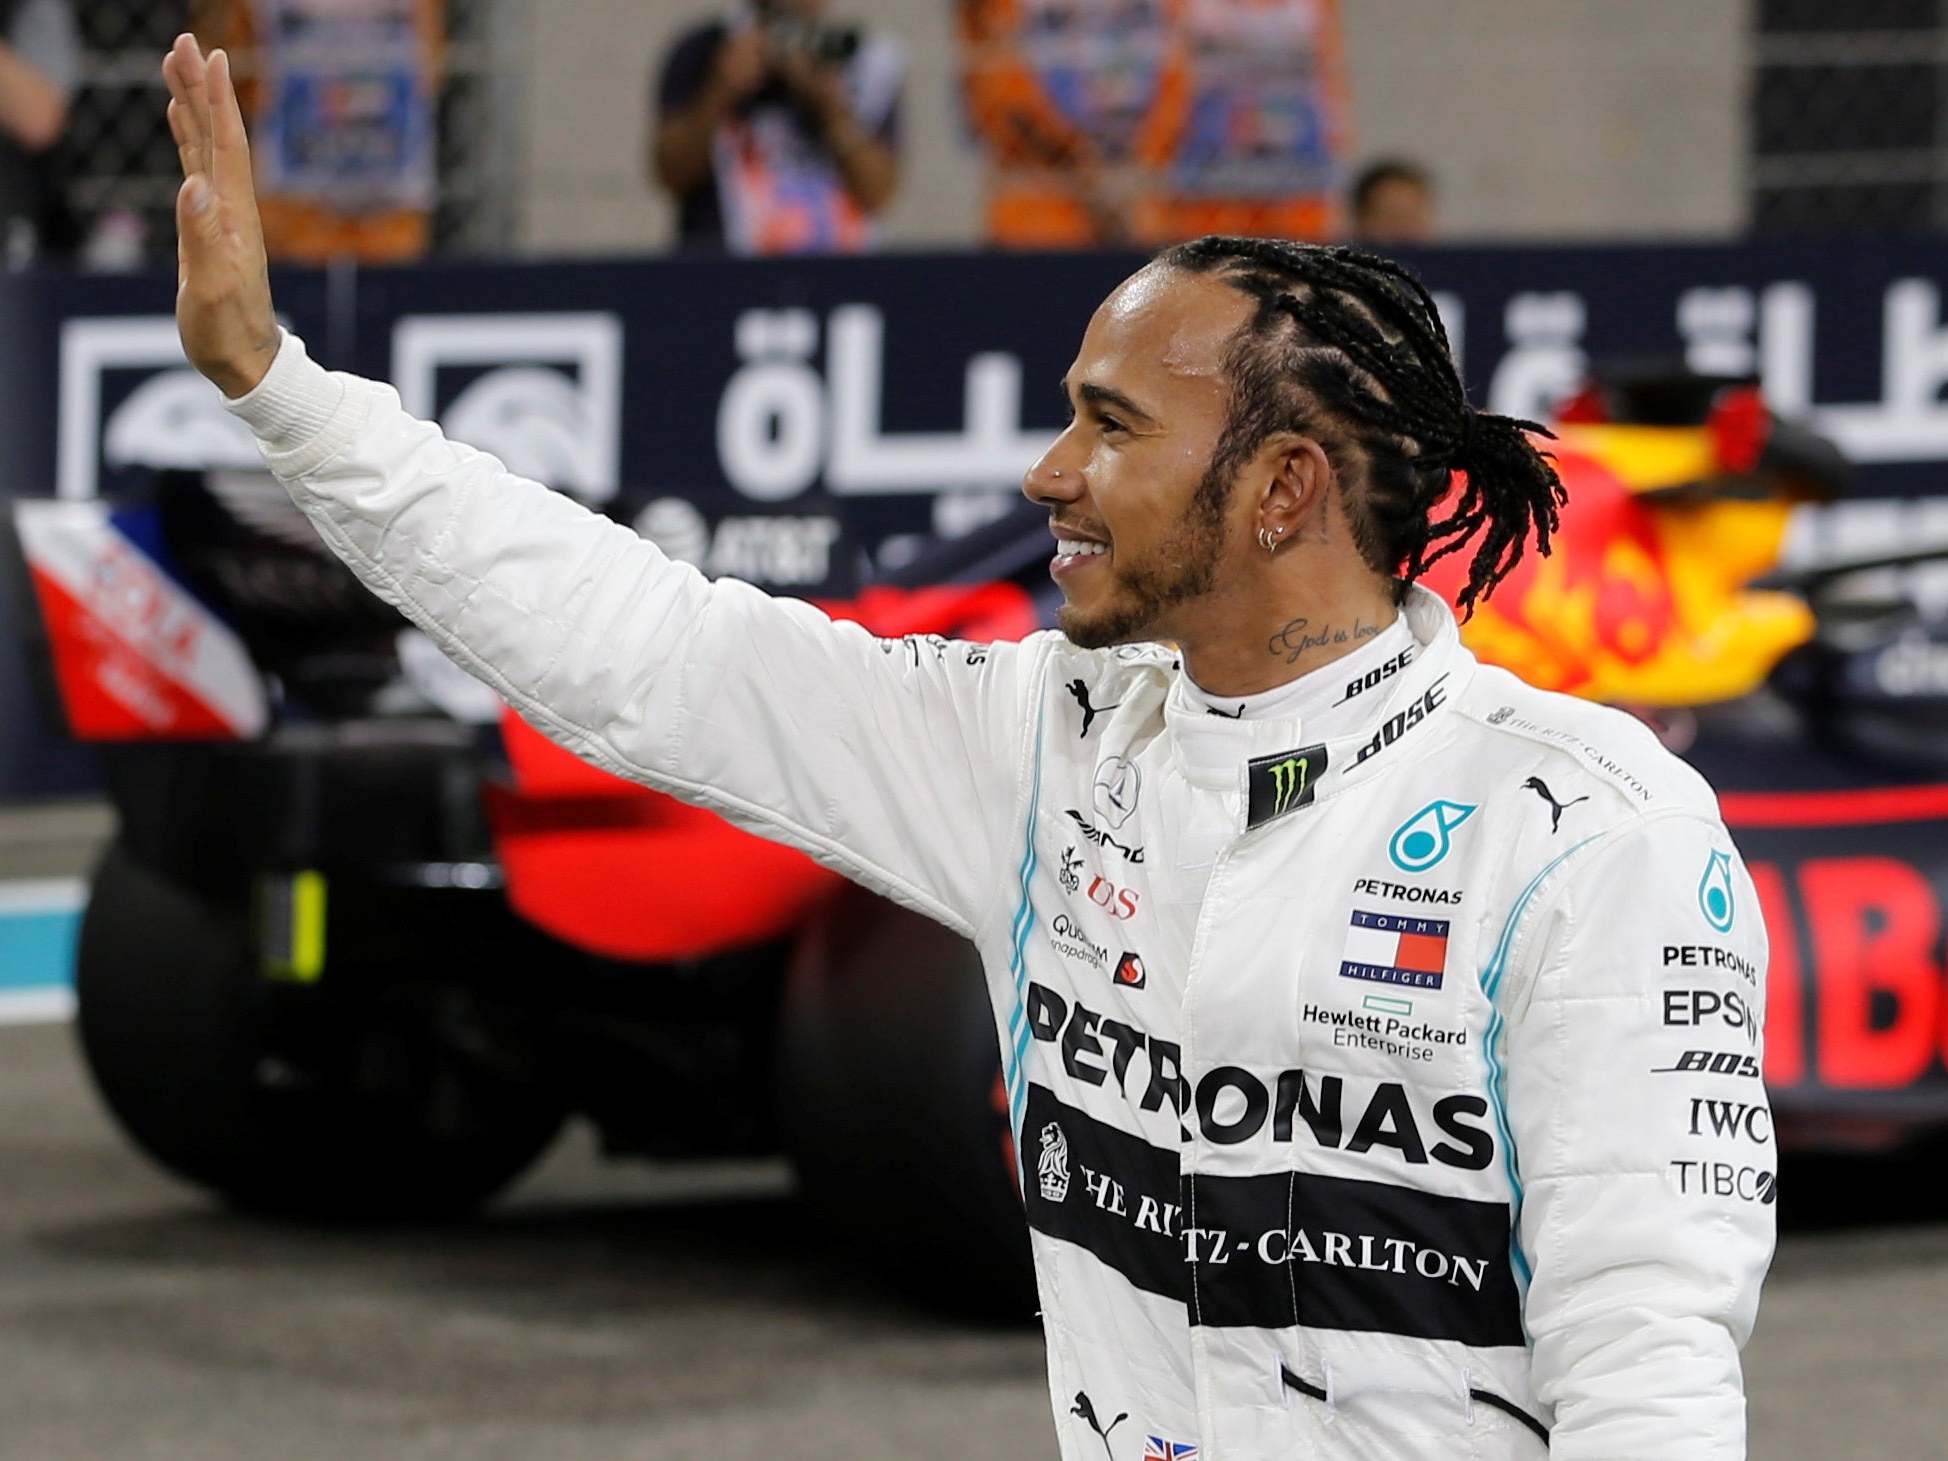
{"x": 805, "y": 425}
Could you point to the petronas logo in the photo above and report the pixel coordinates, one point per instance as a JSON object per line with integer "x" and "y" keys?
{"x": 1425, "y": 837}
{"x": 1715, "y": 892}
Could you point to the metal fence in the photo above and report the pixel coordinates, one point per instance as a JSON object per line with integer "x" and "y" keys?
{"x": 117, "y": 166}
{"x": 1849, "y": 116}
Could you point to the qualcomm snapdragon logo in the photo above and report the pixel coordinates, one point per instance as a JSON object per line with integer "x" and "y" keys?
{"x": 1425, "y": 838}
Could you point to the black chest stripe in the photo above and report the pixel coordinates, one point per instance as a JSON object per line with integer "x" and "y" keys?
{"x": 1368, "y": 1256}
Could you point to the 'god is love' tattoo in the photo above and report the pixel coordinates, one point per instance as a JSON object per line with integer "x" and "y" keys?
{"x": 1298, "y": 636}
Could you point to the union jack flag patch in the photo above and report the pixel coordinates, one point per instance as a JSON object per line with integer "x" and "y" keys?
{"x": 1158, "y": 1449}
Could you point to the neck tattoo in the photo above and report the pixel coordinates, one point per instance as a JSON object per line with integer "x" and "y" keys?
{"x": 1299, "y": 635}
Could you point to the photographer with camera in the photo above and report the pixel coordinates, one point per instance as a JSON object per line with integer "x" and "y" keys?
{"x": 777, "y": 130}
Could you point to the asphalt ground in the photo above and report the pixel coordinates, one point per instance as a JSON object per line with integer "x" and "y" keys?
{"x": 618, "y": 1311}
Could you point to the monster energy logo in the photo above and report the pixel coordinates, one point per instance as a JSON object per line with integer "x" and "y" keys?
{"x": 1278, "y": 784}
{"x": 1288, "y": 780}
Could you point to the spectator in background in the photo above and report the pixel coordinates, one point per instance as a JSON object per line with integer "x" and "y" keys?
{"x": 1151, "y": 121}
{"x": 1392, "y": 203}
{"x": 341, "y": 96}
{"x": 40, "y": 61}
{"x": 777, "y": 132}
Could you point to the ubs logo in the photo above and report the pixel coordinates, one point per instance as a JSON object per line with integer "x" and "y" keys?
{"x": 1118, "y": 902}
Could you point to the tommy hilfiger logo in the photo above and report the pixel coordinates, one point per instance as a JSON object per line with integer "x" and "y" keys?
{"x": 1275, "y": 785}
{"x": 1395, "y": 948}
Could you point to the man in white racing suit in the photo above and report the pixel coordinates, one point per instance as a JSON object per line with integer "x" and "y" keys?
{"x": 1381, "y": 1035}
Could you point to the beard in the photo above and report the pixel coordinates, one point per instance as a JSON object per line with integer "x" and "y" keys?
{"x": 1180, "y": 568}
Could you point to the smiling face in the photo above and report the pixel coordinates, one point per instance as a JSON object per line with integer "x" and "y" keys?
{"x": 1129, "y": 485}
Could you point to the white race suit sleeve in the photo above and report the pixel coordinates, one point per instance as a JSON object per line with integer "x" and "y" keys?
{"x": 894, "y": 762}
{"x": 1648, "y": 1164}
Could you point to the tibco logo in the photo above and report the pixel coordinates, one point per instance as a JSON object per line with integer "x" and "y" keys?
{"x": 1723, "y": 1179}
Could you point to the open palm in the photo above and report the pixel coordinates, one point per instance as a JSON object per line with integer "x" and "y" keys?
{"x": 223, "y": 292}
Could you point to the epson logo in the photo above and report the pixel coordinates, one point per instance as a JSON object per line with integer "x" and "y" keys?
{"x": 1691, "y": 1007}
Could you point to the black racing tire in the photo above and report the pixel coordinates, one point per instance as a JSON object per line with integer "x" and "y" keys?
{"x": 889, "y": 1086}
{"x": 174, "y": 1023}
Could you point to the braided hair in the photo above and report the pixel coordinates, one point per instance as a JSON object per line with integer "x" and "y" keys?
{"x": 1347, "y": 347}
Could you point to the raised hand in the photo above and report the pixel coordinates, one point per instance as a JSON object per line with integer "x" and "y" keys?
{"x": 223, "y": 292}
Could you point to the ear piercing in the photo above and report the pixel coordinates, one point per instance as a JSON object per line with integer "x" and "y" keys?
{"x": 1268, "y": 538}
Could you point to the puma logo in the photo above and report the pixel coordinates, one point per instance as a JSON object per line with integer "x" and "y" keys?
{"x": 1541, "y": 788}
{"x": 1083, "y": 1408}
{"x": 1080, "y": 690}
